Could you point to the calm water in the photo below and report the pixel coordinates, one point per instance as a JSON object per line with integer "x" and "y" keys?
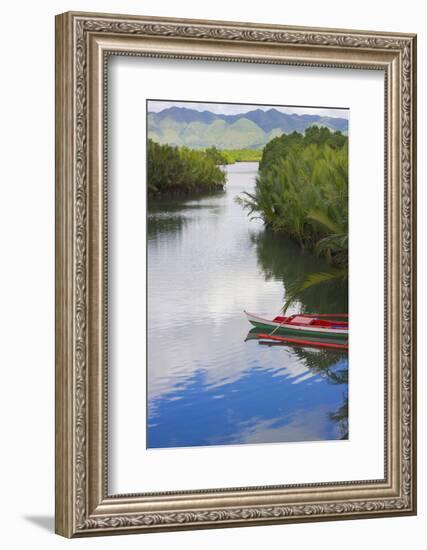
{"x": 207, "y": 262}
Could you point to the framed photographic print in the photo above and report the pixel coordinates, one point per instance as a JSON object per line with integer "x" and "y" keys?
{"x": 235, "y": 274}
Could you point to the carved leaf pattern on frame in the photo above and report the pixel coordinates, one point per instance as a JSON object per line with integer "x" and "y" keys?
{"x": 211, "y": 31}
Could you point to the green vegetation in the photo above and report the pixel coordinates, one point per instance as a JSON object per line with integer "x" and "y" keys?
{"x": 181, "y": 170}
{"x": 280, "y": 147}
{"x": 281, "y": 258}
{"x": 219, "y": 157}
{"x": 231, "y": 156}
{"x": 302, "y": 187}
{"x": 242, "y": 155}
{"x": 302, "y": 190}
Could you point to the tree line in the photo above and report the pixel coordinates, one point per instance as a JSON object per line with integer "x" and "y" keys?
{"x": 231, "y": 156}
{"x": 174, "y": 170}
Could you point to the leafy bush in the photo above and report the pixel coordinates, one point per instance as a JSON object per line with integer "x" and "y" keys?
{"x": 181, "y": 170}
{"x": 302, "y": 188}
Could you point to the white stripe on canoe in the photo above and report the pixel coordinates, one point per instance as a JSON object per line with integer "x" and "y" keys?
{"x": 265, "y": 321}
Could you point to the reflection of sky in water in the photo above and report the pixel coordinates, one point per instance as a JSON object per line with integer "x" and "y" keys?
{"x": 261, "y": 405}
{"x": 206, "y": 385}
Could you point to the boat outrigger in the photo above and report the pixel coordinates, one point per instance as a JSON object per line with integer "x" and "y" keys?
{"x": 304, "y": 326}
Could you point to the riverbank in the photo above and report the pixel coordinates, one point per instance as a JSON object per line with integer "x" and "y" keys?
{"x": 181, "y": 171}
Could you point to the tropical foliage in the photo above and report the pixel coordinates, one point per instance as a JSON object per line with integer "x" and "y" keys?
{"x": 302, "y": 188}
{"x": 181, "y": 170}
{"x": 302, "y": 191}
{"x": 280, "y": 147}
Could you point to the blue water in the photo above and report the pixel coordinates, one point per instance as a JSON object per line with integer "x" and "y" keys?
{"x": 207, "y": 383}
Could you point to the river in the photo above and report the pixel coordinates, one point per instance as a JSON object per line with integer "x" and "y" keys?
{"x": 207, "y": 262}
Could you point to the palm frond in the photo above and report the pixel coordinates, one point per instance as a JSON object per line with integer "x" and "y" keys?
{"x": 325, "y": 220}
{"x": 312, "y": 280}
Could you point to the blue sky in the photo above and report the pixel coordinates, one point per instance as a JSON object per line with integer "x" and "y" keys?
{"x": 235, "y": 108}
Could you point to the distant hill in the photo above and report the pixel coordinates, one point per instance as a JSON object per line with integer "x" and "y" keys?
{"x": 197, "y": 129}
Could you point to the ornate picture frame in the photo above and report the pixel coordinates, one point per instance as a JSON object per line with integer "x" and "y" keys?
{"x": 84, "y": 42}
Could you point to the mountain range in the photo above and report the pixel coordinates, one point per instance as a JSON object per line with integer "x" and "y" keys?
{"x": 252, "y": 130}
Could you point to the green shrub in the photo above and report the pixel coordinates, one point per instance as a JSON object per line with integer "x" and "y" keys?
{"x": 181, "y": 170}
{"x": 302, "y": 187}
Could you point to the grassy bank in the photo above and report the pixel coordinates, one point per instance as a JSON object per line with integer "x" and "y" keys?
{"x": 179, "y": 170}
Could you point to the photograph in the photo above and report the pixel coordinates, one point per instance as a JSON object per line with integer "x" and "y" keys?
{"x": 247, "y": 273}
{"x": 227, "y": 195}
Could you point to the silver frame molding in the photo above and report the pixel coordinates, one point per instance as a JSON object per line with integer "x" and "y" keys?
{"x": 83, "y": 43}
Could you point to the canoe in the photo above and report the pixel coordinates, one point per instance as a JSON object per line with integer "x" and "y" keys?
{"x": 303, "y": 325}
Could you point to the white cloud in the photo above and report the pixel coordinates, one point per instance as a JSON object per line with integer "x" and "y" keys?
{"x": 236, "y": 108}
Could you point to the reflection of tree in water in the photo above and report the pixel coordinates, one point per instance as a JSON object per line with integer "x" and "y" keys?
{"x": 340, "y": 416}
{"x": 334, "y": 367}
{"x": 282, "y": 259}
{"x": 171, "y": 215}
{"x": 330, "y": 365}
{"x": 183, "y": 202}
{"x": 159, "y": 224}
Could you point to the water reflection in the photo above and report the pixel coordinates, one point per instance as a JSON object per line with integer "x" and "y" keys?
{"x": 171, "y": 215}
{"x": 279, "y": 397}
{"x": 283, "y": 259}
{"x": 164, "y": 224}
{"x": 207, "y": 385}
